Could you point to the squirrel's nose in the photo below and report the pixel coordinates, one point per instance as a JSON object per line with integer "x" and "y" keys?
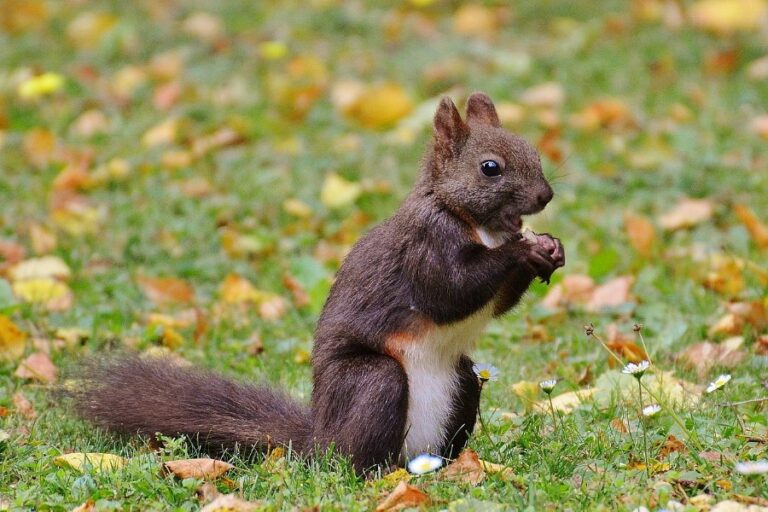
{"x": 545, "y": 196}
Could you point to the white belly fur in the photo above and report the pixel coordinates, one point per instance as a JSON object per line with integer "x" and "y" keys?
{"x": 430, "y": 363}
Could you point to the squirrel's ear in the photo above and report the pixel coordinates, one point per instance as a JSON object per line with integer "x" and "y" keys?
{"x": 480, "y": 110}
{"x": 450, "y": 130}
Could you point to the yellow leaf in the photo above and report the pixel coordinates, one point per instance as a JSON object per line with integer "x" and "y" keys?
{"x": 273, "y": 50}
{"x": 97, "y": 461}
{"x": 566, "y": 402}
{"x": 395, "y": 477}
{"x": 338, "y": 192}
{"x": 475, "y": 20}
{"x": 197, "y": 468}
{"x": 527, "y": 391}
{"x": 297, "y": 208}
{"x": 53, "y": 294}
{"x": 237, "y": 290}
{"x": 231, "y": 503}
{"x": 40, "y": 85}
{"x": 727, "y": 16}
{"x": 12, "y": 340}
{"x": 160, "y": 134}
{"x": 725, "y": 275}
{"x": 78, "y": 219}
{"x": 301, "y": 356}
{"x": 381, "y": 106}
{"x": 87, "y": 29}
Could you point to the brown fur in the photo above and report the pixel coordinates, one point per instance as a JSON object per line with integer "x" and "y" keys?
{"x": 422, "y": 267}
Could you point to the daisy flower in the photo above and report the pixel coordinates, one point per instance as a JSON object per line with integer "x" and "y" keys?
{"x": 424, "y": 463}
{"x": 650, "y": 410}
{"x": 636, "y": 370}
{"x": 485, "y": 372}
{"x": 757, "y": 467}
{"x": 718, "y": 383}
{"x": 548, "y": 385}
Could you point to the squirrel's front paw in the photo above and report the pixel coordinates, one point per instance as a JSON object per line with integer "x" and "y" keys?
{"x": 546, "y": 254}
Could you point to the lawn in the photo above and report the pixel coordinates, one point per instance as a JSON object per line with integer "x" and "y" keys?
{"x": 184, "y": 178}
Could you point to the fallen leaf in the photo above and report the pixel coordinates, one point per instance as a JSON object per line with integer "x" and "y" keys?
{"x": 527, "y": 391}
{"x": 43, "y": 240}
{"x": 492, "y": 467}
{"x": 166, "y": 290}
{"x": 604, "y": 113}
{"x": 757, "y": 230}
{"x": 619, "y": 425}
{"x": 476, "y": 21}
{"x": 706, "y": 355}
{"x": 640, "y": 232}
{"x": 37, "y": 366}
{"x": 40, "y": 85}
{"x": 204, "y": 25}
{"x": 161, "y": 134}
{"x": 11, "y": 254}
{"x": 197, "y": 468}
{"x": 566, "y": 402}
{"x": 52, "y": 294}
{"x": 12, "y": 340}
{"x": 87, "y": 30}
{"x": 735, "y": 506}
{"x": 236, "y": 290}
{"x": 338, "y": 192}
{"x": 380, "y": 106}
{"x": 758, "y": 69}
{"x": 300, "y": 295}
{"x": 272, "y": 307}
{"x": 405, "y": 495}
{"x": 573, "y": 289}
{"x": 610, "y": 294}
{"x": 88, "y": 506}
{"x": 725, "y": 275}
{"x": 97, "y": 461}
{"x": 297, "y": 208}
{"x": 727, "y": 16}
{"x": 761, "y": 345}
{"x": 40, "y": 146}
{"x": 546, "y": 95}
{"x": 672, "y": 445}
{"x": 467, "y": 468}
{"x": 46, "y": 266}
{"x": 231, "y": 503}
{"x": 686, "y": 214}
{"x": 24, "y": 406}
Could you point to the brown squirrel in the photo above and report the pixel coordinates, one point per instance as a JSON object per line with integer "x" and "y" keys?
{"x": 390, "y": 370}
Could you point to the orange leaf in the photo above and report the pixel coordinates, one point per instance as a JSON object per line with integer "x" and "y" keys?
{"x": 671, "y": 445}
{"x": 466, "y": 468}
{"x": 687, "y": 213}
{"x": 405, "y": 495}
{"x": 640, "y": 232}
{"x": 166, "y": 290}
{"x": 705, "y": 355}
{"x": 756, "y": 228}
{"x": 24, "y": 406}
{"x": 197, "y": 468}
{"x": 611, "y": 293}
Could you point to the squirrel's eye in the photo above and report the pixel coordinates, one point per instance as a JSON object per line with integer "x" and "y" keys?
{"x": 490, "y": 168}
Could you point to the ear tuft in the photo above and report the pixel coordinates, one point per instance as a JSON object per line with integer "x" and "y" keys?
{"x": 450, "y": 131}
{"x": 480, "y": 110}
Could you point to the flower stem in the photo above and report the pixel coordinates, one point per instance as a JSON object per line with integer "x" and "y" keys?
{"x": 645, "y": 434}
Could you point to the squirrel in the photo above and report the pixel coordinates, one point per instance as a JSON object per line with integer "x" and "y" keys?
{"x": 390, "y": 369}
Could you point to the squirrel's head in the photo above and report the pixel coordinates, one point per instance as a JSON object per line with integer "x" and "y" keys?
{"x": 482, "y": 172}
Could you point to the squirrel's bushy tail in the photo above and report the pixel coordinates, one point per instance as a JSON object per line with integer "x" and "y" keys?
{"x": 133, "y": 394}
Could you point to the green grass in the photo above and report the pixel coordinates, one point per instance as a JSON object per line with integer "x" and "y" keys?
{"x": 151, "y": 227}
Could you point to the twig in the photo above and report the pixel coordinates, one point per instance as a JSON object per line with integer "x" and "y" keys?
{"x": 744, "y": 402}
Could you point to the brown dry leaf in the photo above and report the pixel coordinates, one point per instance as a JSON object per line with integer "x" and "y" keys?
{"x": 90, "y": 123}
{"x": 237, "y": 290}
{"x": 623, "y": 346}
{"x": 231, "y": 503}
{"x": 672, "y": 445}
{"x": 12, "y": 340}
{"x": 221, "y": 138}
{"x": 11, "y": 253}
{"x": 640, "y": 232}
{"x": 757, "y": 230}
{"x": 40, "y": 146}
{"x": 573, "y": 289}
{"x": 687, "y": 213}
{"x": 405, "y": 495}
{"x": 380, "y": 106}
{"x": 197, "y": 468}
{"x": 728, "y": 16}
{"x": 299, "y": 294}
{"x": 466, "y": 468}
{"x": 24, "y": 406}
{"x": 761, "y": 345}
{"x": 619, "y": 425}
{"x": 23, "y": 15}
{"x": 272, "y": 307}
{"x": 611, "y": 294}
{"x": 166, "y": 290}
{"x": 38, "y": 366}
{"x": 706, "y": 355}
{"x": 43, "y": 240}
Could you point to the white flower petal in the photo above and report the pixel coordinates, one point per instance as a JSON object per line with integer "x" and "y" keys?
{"x": 757, "y": 467}
{"x": 424, "y": 463}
